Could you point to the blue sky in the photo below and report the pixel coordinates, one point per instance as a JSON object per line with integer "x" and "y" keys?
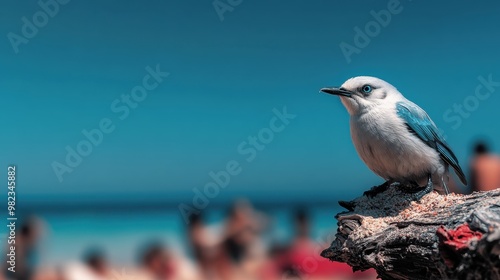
{"x": 225, "y": 79}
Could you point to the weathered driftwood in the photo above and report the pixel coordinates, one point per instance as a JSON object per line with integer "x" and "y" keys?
{"x": 439, "y": 237}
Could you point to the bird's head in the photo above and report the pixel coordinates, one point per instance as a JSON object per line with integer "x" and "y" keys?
{"x": 359, "y": 94}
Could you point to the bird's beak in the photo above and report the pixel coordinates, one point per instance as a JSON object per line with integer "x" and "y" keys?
{"x": 337, "y": 91}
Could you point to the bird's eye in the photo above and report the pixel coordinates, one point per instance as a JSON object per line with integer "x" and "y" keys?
{"x": 366, "y": 89}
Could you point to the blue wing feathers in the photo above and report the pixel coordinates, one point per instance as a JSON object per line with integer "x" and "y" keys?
{"x": 422, "y": 126}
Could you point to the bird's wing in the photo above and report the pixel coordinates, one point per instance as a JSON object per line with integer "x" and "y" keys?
{"x": 420, "y": 124}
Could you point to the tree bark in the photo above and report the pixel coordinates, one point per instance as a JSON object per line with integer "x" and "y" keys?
{"x": 439, "y": 237}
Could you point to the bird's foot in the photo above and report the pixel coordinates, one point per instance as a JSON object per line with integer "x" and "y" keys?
{"x": 377, "y": 189}
{"x": 418, "y": 192}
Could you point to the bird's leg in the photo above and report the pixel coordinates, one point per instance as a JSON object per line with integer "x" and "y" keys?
{"x": 419, "y": 192}
{"x": 378, "y": 189}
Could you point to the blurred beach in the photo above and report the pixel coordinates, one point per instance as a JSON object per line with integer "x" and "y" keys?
{"x": 121, "y": 233}
{"x": 117, "y": 236}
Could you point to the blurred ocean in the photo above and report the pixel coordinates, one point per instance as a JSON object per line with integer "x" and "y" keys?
{"x": 120, "y": 233}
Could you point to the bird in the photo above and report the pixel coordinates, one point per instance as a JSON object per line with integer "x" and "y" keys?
{"x": 396, "y": 138}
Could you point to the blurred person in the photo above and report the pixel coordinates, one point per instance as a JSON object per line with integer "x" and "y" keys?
{"x": 276, "y": 265}
{"x": 205, "y": 247}
{"x": 26, "y": 250}
{"x": 241, "y": 231}
{"x": 484, "y": 169}
{"x": 304, "y": 260}
{"x": 156, "y": 263}
{"x": 159, "y": 264}
{"x": 96, "y": 262}
{"x": 93, "y": 267}
{"x": 242, "y": 245}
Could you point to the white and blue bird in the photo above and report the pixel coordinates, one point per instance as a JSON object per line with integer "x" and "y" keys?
{"x": 396, "y": 138}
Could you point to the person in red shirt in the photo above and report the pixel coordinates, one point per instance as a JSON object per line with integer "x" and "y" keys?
{"x": 304, "y": 256}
